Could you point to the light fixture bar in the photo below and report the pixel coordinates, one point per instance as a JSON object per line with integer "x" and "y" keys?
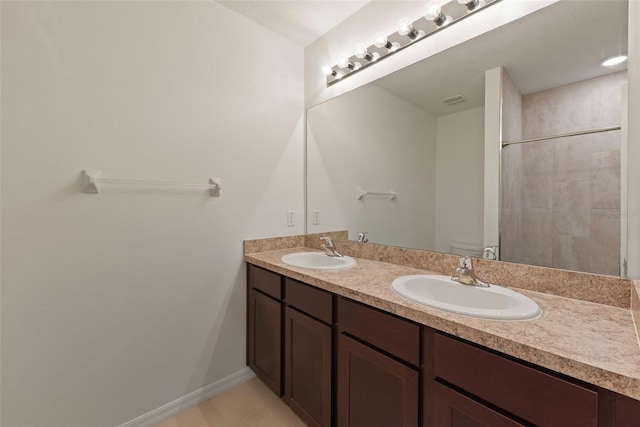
{"x": 449, "y": 13}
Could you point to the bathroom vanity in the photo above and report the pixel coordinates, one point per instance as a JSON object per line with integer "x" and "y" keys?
{"x": 343, "y": 353}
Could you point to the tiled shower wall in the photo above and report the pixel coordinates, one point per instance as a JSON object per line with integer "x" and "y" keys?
{"x": 561, "y": 197}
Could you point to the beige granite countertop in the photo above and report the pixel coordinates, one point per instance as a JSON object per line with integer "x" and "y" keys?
{"x": 592, "y": 342}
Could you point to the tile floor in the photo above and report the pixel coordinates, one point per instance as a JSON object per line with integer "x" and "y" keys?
{"x": 250, "y": 404}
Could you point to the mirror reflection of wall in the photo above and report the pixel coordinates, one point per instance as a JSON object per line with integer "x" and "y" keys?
{"x": 374, "y": 140}
{"x": 560, "y": 200}
{"x": 561, "y": 197}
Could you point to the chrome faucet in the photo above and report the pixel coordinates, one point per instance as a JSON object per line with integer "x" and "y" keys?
{"x": 490, "y": 252}
{"x": 329, "y": 247}
{"x": 464, "y": 274}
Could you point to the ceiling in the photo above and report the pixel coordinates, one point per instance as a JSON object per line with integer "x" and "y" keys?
{"x": 301, "y": 21}
{"x": 557, "y": 45}
{"x": 560, "y": 44}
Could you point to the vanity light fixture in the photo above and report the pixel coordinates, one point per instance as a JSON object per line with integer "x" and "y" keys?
{"x": 345, "y": 63}
{"x": 329, "y": 71}
{"x": 433, "y": 13}
{"x": 614, "y": 60}
{"x": 470, "y": 4}
{"x": 382, "y": 41}
{"x": 363, "y": 53}
{"x": 406, "y": 28}
{"x": 443, "y": 13}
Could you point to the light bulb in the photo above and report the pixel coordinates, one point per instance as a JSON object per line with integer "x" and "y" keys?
{"x": 432, "y": 12}
{"x": 375, "y": 56}
{"x": 357, "y": 66}
{"x": 405, "y": 26}
{"x": 469, "y": 4}
{"x": 361, "y": 51}
{"x": 328, "y": 71}
{"x": 344, "y": 63}
{"x": 381, "y": 40}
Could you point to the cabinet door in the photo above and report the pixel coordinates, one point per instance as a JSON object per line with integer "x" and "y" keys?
{"x": 452, "y": 409}
{"x": 307, "y": 364}
{"x": 627, "y": 412}
{"x": 265, "y": 339}
{"x": 527, "y": 393}
{"x": 374, "y": 390}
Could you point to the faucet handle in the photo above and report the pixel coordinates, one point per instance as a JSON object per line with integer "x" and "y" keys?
{"x": 490, "y": 252}
{"x": 327, "y": 240}
{"x": 466, "y": 263}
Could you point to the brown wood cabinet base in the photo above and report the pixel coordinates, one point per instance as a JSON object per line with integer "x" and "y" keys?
{"x": 341, "y": 362}
{"x": 374, "y": 389}
{"x": 453, "y": 409}
{"x": 264, "y": 326}
{"x": 308, "y": 366}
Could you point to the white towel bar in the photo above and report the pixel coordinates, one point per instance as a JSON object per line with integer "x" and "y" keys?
{"x": 361, "y": 193}
{"x": 92, "y": 181}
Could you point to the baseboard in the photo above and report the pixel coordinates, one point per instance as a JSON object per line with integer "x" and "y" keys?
{"x": 192, "y": 399}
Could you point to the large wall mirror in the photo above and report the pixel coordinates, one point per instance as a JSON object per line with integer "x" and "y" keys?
{"x": 402, "y": 158}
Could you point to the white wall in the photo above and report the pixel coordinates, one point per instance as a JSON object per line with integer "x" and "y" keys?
{"x": 372, "y": 139}
{"x": 633, "y": 159}
{"x": 460, "y": 177}
{"x": 492, "y": 150}
{"x": 118, "y": 303}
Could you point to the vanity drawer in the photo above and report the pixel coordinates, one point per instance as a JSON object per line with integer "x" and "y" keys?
{"x": 385, "y": 331}
{"x": 265, "y": 281}
{"x": 532, "y": 395}
{"x": 312, "y": 301}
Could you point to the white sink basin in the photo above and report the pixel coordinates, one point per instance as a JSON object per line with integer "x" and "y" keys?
{"x": 494, "y": 302}
{"x": 318, "y": 261}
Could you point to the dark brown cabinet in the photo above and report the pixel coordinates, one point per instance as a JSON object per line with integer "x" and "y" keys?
{"x": 627, "y": 412}
{"x": 376, "y": 384}
{"x": 525, "y": 393}
{"x": 374, "y": 390}
{"x": 340, "y": 362}
{"x": 308, "y": 368}
{"x": 264, "y": 327}
{"x": 453, "y": 409}
{"x": 308, "y": 353}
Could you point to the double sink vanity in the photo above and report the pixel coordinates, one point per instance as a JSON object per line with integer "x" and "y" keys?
{"x": 358, "y": 340}
{"x": 438, "y": 291}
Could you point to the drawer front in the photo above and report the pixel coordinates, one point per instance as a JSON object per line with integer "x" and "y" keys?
{"x": 313, "y": 301}
{"x": 265, "y": 281}
{"x": 396, "y": 336}
{"x": 530, "y": 394}
{"x": 453, "y": 409}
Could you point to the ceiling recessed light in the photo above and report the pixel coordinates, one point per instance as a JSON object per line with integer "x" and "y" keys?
{"x": 614, "y": 60}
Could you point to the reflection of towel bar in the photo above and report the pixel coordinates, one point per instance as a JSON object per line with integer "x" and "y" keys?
{"x": 361, "y": 193}
{"x": 92, "y": 181}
